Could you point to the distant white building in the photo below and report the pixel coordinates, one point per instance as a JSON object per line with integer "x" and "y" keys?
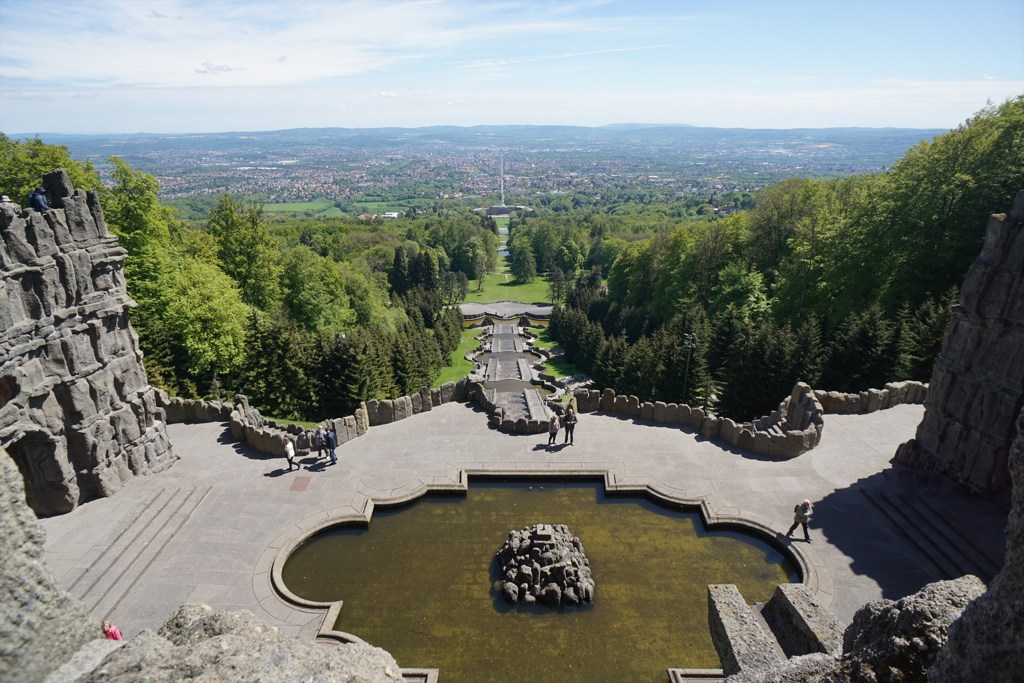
{"x": 389, "y": 214}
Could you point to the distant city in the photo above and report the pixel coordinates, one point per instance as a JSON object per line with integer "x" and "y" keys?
{"x": 441, "y": 163}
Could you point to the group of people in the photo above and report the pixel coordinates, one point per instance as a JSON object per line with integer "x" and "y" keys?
{"x": 324, "y": 440}
{"x": 568, "y": 421}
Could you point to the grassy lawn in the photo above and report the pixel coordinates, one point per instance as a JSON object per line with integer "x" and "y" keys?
{"x": 544, "y": 340}
{"x": 559, "y": 367}
{"x": 501, "y": 286}
{"x": 317, "y": 205}
{"x": 458, "y": 367}
{"x": 286, "y": 421}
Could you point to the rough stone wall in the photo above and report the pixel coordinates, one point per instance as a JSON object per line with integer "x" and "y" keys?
{"x": 40, "y": 625}
{"x": 77, "y": 412}
{"x": 977, "y": 386}
{"x": 988, "y": 638}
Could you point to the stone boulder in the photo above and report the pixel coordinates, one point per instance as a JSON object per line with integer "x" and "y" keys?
{"x": 197, "y": 643}
{"x": 544, "y": 563}
{"x": 41, "y": 626}
{"x": 897, "y": 641}
{"x": 988, "y": 638}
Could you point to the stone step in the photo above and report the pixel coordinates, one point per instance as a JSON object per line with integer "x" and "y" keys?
{"x": 90, "y": 570}
{"x": 524, "y": 370}
{"x": 134, "y": 559}
{"x": 695, "y": 676}
{"x": 906, "y": 526}
{"x": 535, "y": 409}
{"x": 946, "y": 539}
{"x": 988, "y": 566}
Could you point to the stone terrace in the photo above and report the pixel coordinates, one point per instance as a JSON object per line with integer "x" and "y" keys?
{"x": 202, "y": 530}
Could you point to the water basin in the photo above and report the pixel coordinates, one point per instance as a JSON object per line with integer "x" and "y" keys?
{"x": 418, "y": 582}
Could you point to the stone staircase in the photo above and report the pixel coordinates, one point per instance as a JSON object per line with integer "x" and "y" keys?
{"x": 951, "y": 550}
{"x": 790, "y": 624}
{"x": 102, "y": 578}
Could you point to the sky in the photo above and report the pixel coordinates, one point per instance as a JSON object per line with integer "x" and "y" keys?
{"x": 196, "y": 66}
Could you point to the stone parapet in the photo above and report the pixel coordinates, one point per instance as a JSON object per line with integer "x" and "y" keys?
{"x": 742, "y": 645}
{"x": 800, "y": 623}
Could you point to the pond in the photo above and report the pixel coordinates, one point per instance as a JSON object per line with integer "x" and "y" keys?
{"x": 418, "y": 583}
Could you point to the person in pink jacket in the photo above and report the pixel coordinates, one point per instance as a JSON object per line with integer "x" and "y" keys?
{"x": 111, "y": 632}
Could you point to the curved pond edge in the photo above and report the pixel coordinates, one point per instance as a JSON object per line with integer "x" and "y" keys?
{"x": 274, "y": 596}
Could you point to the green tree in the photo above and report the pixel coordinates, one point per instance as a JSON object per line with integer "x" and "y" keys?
{"x": 521, "y": 262}
{"x": 246, "y": 250}
{"x": 23, "y": 165}
{"x": 313, "y": 290}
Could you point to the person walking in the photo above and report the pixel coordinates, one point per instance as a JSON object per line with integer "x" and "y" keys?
{"x": 570, "y": 421}
{"x": 111, "y": 632}
{"x": 319, "y": 440}
{"x": 289, "y": 453}
{"x": 552, "y": 429}
{"x": 801, "y": 515}
{"x": 332, "y": 442}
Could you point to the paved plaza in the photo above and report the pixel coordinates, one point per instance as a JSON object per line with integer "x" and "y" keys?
{"x": 202, "y": 531}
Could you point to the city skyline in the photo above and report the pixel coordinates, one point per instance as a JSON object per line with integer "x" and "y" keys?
{"x": 106, "y": 66}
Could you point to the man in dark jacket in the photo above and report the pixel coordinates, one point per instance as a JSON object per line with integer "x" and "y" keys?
{"x": 37, "y": 200}
{"x": 332, "y": 442}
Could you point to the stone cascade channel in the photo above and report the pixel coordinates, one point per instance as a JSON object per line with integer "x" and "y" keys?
{"x": 508, "y": 374}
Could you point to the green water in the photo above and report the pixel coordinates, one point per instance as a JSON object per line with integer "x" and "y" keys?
{"x": 418, "y": 583}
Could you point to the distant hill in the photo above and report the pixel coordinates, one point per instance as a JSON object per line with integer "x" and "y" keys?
{"x": 494, "y": 138}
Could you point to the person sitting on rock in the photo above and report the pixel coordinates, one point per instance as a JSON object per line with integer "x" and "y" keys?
{"x": 37, "y": 200}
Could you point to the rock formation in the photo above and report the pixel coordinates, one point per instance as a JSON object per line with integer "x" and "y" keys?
{"x": 977, "y": 385}
{"x": 77, "y": 412}
{"x": 989, "y": 636}
{"x": 196, "y": 643}
{"x": 40, "y": 625}
{"x": 544, "y": 563}
{"x": 888, "y": 642}
{"x": 45, "y": 634}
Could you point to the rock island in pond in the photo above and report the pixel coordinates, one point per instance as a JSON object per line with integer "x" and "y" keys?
{"x": 544, "y": 563}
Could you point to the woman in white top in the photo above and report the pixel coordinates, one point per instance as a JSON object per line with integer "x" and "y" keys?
{"x": 289, "y": 452}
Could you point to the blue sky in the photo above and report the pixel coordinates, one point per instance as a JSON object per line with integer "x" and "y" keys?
{"x": 178, "y": 66}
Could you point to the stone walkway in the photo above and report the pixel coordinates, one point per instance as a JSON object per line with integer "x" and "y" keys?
{"x": 201, "y": 530}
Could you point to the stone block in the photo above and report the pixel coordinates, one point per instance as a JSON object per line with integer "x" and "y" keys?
{"x": 608, "y": 399}
{"x": 386, "y": 411}
{"x": 621, "y": 405}
{"x": 417, "y": 403}
{"x": 728, "y": 431}
{"x": 874, "y": 401}
{"x": 660, "y": 412}
{"x": 647, "y": 411}
{"x": 683, "y": 414}
{"x": 362, "y": 418}
{"x": 745, "y": 440}
{"x": 401, "y": 408}
{"x": 426, "y": 399}
{"x": 696, "y": 418}
{"x": 460, "y": 395}
{"x": 447, "y": 392}
{"x": 741, "y": 643}
{"x": 435, "y": 397}
{"x": 710, "y": 427}
{"x": 633, "y": 406}
{"x": 802, "y": 625}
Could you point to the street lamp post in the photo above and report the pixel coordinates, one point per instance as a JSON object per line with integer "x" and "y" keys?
{"x": 689, "y": 343}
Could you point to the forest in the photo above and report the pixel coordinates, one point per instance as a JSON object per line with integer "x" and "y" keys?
{"x": 843, "y": 283}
